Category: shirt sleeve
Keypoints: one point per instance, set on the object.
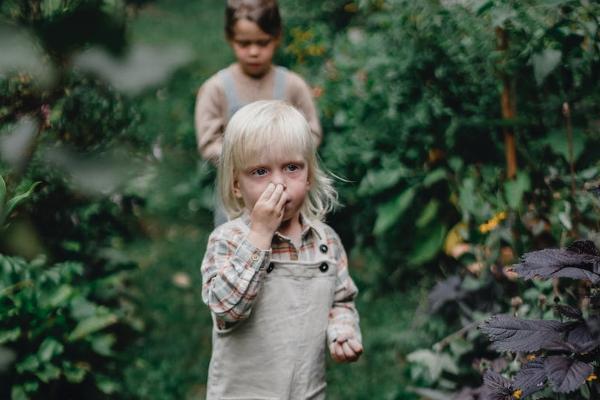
(232, 271)
(303, 100)
(209, 120)
(343, 316)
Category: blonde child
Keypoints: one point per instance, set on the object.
(253, 30)
(275, 277)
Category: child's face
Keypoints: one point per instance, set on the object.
(289, 170)
(253, 48)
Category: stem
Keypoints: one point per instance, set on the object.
(567, 114)
(508, 110)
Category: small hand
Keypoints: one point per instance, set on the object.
(345, 349)
(267, 214)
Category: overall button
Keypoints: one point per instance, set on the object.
(323, 267)
(323, 248)
(270, 268)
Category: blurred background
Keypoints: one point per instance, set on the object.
(467, 132)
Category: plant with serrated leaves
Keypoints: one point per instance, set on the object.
(562, 354)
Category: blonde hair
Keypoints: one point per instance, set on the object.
(272, 127)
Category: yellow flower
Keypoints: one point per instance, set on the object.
(491, 224)
(591, 377)
(531, 357)
(517, 394)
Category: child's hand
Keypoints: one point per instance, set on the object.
(266, 216)
(345, 349)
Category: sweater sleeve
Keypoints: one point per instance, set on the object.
(302, 99)
(232, 271)
(343, 316)
(210, 119)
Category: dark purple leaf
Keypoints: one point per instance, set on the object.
(443, 292)
(577, 273)
(584, 247)
(565, 374)
(579, 261)
(496, 387)
(467, 393)
(579, 333)
(509, 333)
(531, 377)
(569, 311)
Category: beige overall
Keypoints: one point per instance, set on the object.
(279, 351)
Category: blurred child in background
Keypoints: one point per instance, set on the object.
(253, 29)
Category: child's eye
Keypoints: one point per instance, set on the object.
(242, 43)
(263, 43)
(292, 167)
(259, 172)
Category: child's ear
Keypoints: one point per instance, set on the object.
(236, 189)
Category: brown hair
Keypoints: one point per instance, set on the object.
(264, 13)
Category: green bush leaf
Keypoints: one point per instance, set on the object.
(428, 214)
(515, 189)
(434, 176)
(10, 335)
(427, 247)
(15, 201)
(49, 348)
(544, 63)
(48, 373)
(91, 325)
(389, 213)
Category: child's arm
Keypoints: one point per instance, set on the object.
(235, 261)
(209, 120)
(343, 332)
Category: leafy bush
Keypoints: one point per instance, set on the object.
(410, 95)
(562, 354)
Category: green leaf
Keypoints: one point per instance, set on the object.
(107, 385)
(376, 181)
(544, 63)
(48, 373)
(103, 344)
(10, 335)
(18, 393)
(58, 297)
(2, 193)
(515, 189)
(434, 176)
(428, 213)
(30, 363)
(436, 363)
(428, 247)
(73, 373)
(49, 348)
(389, 213)
(91, 325)
(558, 142)
(12, 203)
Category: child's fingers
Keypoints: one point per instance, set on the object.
(349, 354)
(276, 194)
(337, 353)
(355, 346)
(282, 200)
(267, 193)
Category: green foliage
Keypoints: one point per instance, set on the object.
(410, 96)
(55, 333)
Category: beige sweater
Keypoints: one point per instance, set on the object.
(211, 114)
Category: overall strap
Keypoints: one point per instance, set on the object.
(233, 101)
(280, 83)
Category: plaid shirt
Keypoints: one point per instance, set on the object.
(233, 268)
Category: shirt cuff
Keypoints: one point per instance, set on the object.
(257, 258)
